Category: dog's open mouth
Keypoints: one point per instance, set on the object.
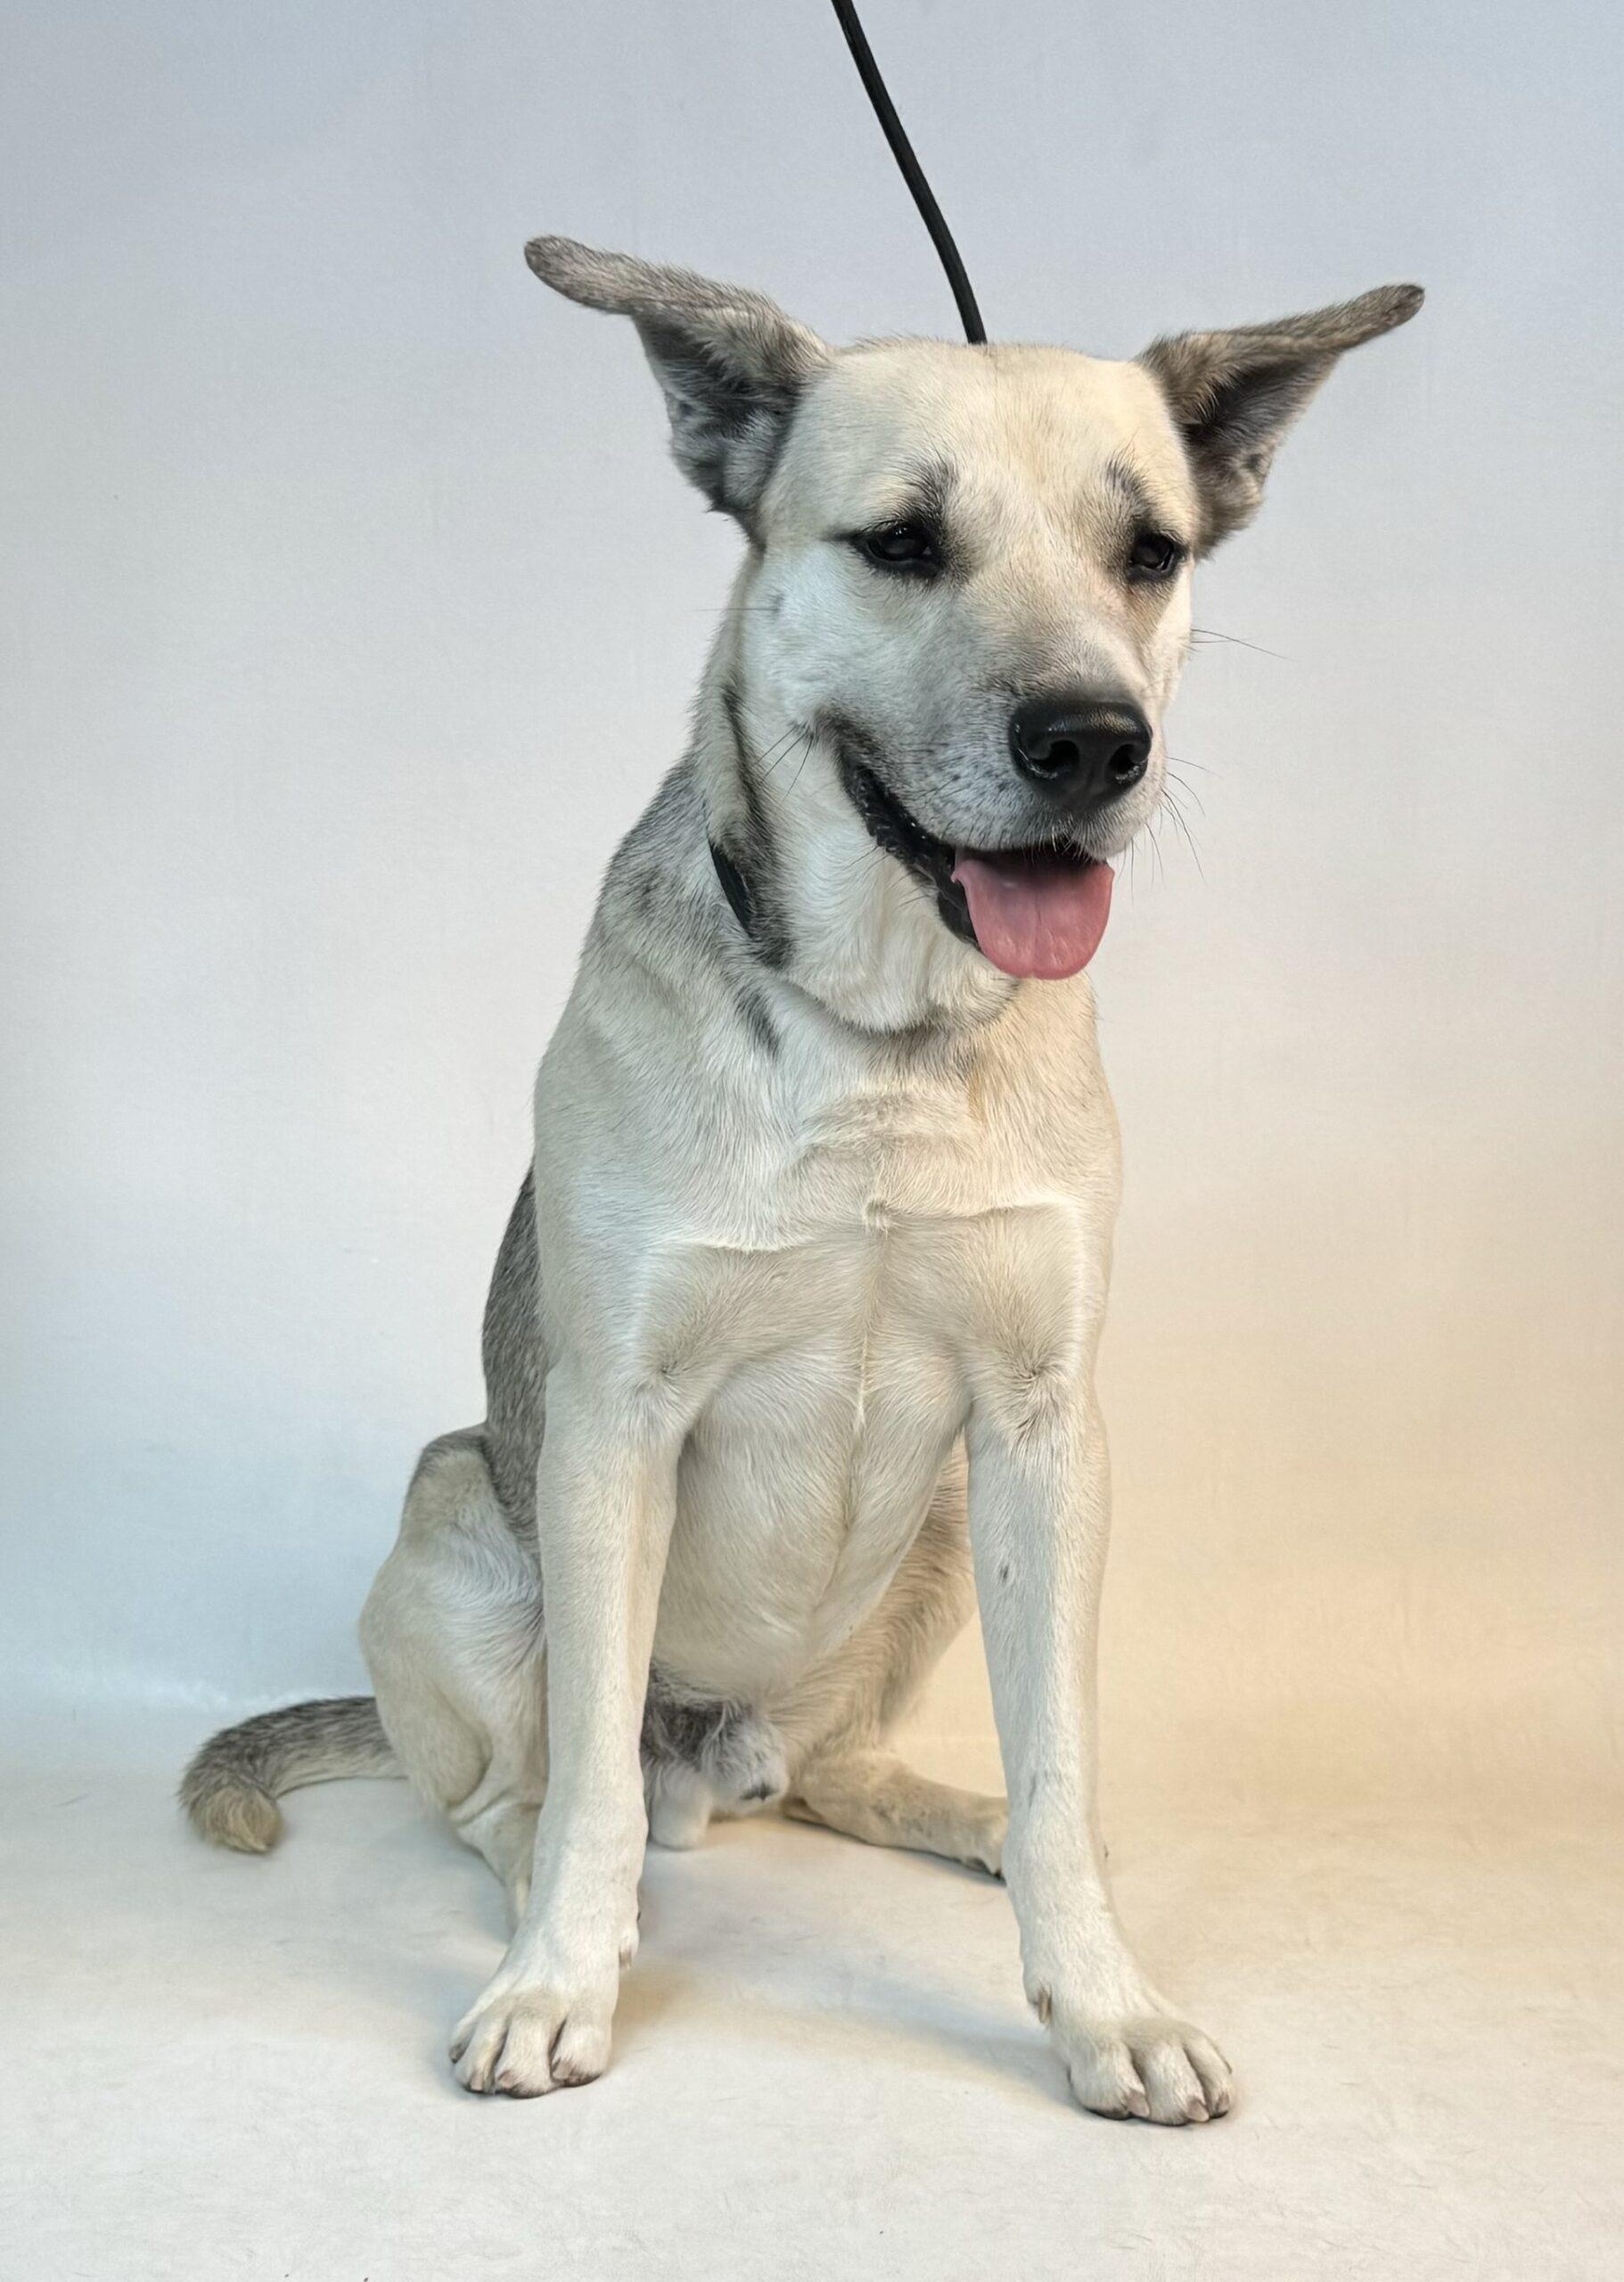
(1036, 912)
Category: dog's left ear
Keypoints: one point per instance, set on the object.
(730, 362)
(1233, 395)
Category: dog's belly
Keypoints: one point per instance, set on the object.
(809, 1475)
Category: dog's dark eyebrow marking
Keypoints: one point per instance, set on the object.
(1124, 479)
(923, 493)
(932, 487)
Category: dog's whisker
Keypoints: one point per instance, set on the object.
(776, 752)
(1181, 821)
(1239, 641)
(1174, 776)
(1183, 760)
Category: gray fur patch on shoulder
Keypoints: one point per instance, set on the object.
(515, 1364)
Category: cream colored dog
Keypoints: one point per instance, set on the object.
(794, 1328)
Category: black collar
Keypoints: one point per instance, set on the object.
(733, 887)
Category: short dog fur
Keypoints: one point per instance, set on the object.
(790, 1348)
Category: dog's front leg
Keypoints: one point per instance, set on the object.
(606, 1496)
(1039, 1516)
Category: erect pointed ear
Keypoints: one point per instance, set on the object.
(730, 362)
(1233, 395)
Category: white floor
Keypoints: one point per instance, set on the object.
(220, 2067)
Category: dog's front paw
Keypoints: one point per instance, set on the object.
(1144, 2064)
(526, 2036)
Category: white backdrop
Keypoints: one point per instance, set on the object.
(350, 610)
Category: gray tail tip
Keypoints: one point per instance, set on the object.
(230, 1809)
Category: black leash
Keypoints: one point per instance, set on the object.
(912, 173)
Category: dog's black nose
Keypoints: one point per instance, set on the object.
(1080, 750)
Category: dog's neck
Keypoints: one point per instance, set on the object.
(819, 904)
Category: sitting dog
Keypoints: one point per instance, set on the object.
(790, 1349)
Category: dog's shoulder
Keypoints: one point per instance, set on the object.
(667, 1028)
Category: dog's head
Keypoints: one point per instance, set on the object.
(971, 566)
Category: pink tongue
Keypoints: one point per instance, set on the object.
(1035, 914)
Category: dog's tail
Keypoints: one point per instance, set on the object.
(231, 1788)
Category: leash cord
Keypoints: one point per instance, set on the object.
(912, 173)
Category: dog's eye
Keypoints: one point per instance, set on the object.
(1153, 556)
(907, 546)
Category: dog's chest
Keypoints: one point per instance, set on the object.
(881, 1236)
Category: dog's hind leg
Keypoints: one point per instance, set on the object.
(453, 1635)
(876, 1797)
(504, 1831)
(841, 1773)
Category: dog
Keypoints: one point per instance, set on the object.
(790, 1349)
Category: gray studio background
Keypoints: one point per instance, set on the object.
(349, 613)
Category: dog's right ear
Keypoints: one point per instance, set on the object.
(1233, 395)
(730, 362)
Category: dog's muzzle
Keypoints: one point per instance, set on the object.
(1033, 911)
